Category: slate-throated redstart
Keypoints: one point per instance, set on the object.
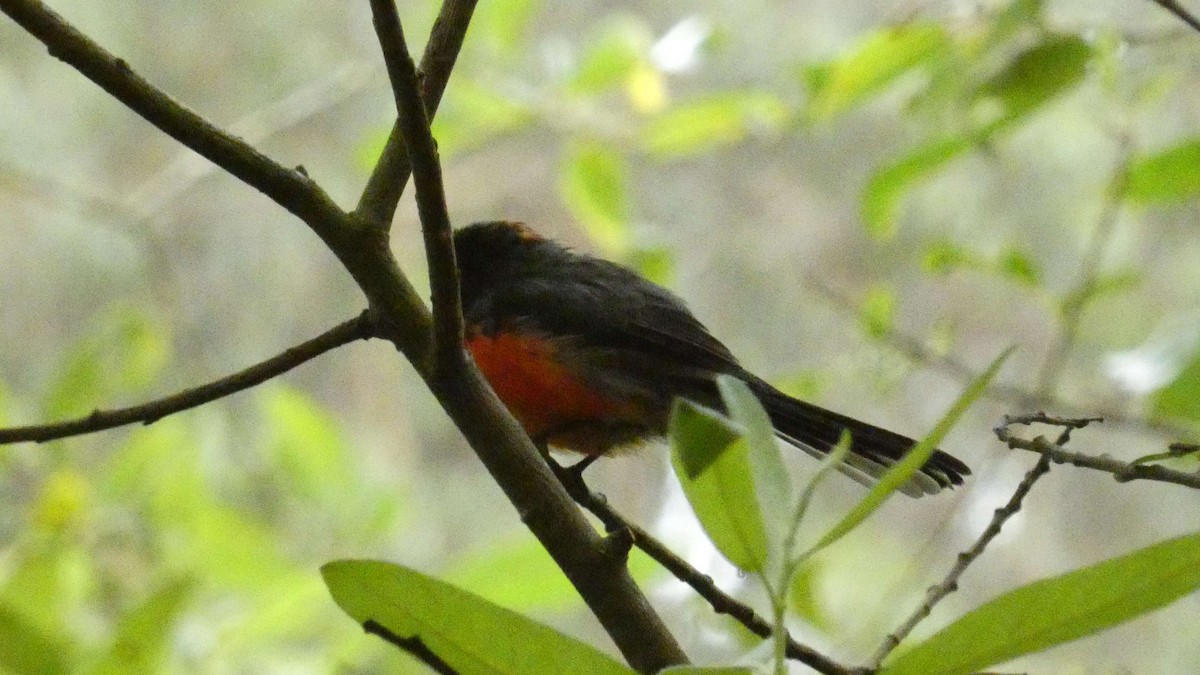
(589, 356)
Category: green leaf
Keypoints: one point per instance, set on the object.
(307, 444)
(944, 257)
(27, 649)
(656, 264)
(1017, 266)
(469, 633)
(712, 462)
(877, 60)
(878, 311)
(881, 198)
(1165, 176)
(1180, 399)
(595, 187)
(915, 459)
(1032, 79)
(803, 598)
(772, 484)
(1057, 610)
(702, 125)
(142, 636)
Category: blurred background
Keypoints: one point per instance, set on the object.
(866, 201)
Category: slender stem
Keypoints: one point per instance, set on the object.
(377, 205)
(427, 174)
(358, 328)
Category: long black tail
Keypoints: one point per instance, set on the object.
(816, 430)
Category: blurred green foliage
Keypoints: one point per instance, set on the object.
(193, 544)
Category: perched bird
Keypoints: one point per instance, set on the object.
(589, 356)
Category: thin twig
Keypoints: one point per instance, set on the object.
(1123, 472)
(949, 584)
(358, 328)
(413, 646)
(377, 205)
(427, 176)
(1182, 14)
(719, 600)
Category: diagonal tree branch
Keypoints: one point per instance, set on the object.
(358, 328)
(363, 252)
(401, 317)
(719, 600)
(414, 646)
(949, 584)
(427, 176)
(1180, 13)
(503, 446)
(378, 202)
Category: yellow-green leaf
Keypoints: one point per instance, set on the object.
(712, 461)
(1057, 610)
(877, 60)
(464, 630)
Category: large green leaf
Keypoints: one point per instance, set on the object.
(1064, 608)
(904, 469)
(1165, 176)
(467, 632)
(712, 461)
(875, 61)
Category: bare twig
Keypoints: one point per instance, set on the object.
(414, 646)
(427, 175)
(719, 600)
(358, 328)
(1122, 471)
(1182, 14)
(378, 202)
(949, 583)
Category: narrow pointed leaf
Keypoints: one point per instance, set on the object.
(469, 633)
(1057, 610)
(912, 462)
